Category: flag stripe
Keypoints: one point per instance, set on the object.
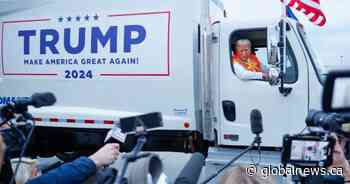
(310, 15)
(295, 5)
(318, 20)
(303, 10)
(311, 3)
(311, 9)
(291, 3)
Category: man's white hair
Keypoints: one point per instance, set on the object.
(243, 42)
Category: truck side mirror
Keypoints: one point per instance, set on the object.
(273, 55)
(272, 45)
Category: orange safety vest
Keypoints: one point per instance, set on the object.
(253, 63)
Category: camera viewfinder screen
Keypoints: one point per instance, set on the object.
(308, 150)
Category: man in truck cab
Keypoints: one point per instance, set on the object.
(247, 65)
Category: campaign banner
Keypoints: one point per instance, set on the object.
(87, 46)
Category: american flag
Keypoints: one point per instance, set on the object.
(311, 8)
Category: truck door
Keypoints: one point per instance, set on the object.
(281, 114)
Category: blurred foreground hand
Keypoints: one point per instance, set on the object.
(106, 155)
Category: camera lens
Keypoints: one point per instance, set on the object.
(328, 121)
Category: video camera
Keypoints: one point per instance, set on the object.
(315, 148)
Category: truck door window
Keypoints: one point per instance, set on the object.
(255, 66)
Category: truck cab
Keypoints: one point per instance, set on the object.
(284, 108)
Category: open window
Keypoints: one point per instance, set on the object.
(258, 38)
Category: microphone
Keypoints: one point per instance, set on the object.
(115, 133)
(147, 169)
(256, 122)
(256, 128)
(37, 100)
(192, 170)
(21, 106)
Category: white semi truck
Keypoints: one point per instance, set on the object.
(110, 59)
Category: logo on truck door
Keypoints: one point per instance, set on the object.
(87, 47)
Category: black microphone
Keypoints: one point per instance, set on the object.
(256, 122)
(192, 170)
(257, 128)
(37, 100)
(115, 135)
(20, 106)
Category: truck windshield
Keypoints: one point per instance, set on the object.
(316, 62)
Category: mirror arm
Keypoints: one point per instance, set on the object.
(285, 91)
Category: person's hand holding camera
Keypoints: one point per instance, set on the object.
(339, 159)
